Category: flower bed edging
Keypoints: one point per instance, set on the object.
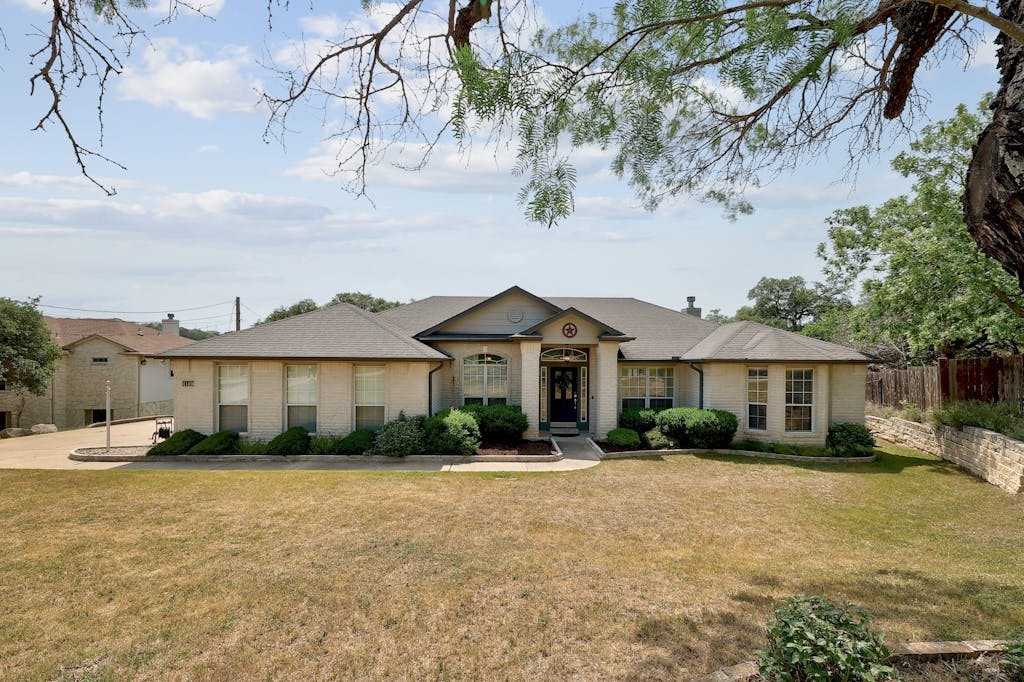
(917, 651)
(721, 451)
(380, 459)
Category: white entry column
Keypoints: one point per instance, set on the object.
(606, 404)
(530, 386)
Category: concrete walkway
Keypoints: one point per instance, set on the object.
(50, 451)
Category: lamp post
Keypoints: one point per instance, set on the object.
(108, 414)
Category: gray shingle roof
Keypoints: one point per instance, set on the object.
(340, 331)
(751, 341)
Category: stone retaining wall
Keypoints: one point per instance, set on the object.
(990, 455)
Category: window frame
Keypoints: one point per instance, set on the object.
(758, 379)
(248, 395)
(803, 392)
(485, 399)
(355, 395)
(101, 360)
(646, 375)
(316, 396)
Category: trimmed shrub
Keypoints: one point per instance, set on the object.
(452, 432)
(692, 427)
(220, 443)
(179, 443)
(499, 423)
(359, 442)
(294, 441)
(400, 437)
(849, 440)
(814, 640)
(624, 438)
(640, 419)
(656, 440)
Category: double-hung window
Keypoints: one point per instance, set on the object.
(370, 394)
(233, 398)
(799, 399)
(757, 398)
(647, 387)
(485, 380)
(301, 394)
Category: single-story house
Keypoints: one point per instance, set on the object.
(95, 351)
(573, 364)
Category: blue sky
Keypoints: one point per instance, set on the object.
(207, 211)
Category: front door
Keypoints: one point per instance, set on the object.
(564, 399)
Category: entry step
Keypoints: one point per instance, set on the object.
(564, 431)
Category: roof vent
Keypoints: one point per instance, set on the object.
(690, 309)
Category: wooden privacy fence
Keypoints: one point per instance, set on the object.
(991, 380)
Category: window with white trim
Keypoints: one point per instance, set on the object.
(485, 380)
(370, 395)
(301, 396)
(646, 387)
(233, 398)
(799, 399)
(757, 398)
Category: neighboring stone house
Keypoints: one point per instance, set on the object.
(572, 364)
(96, 350)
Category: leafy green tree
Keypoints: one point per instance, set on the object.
(706, 98)
(369, 302)
(28, 353)
(789, 303)
(716, 315)
(927, 289)
(306, 305)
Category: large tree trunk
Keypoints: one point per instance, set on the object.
(994, 201)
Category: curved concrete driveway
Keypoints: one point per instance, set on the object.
(50, 451)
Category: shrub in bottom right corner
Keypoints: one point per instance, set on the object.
(849, 440)
(814, 639)
(698, 428)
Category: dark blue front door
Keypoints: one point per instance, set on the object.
(564, 401)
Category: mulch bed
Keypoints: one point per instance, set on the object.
(523, 447)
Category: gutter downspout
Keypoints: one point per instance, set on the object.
(430, 389)
(700, 390)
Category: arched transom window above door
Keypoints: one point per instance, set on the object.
(485, 380)
(563, 355)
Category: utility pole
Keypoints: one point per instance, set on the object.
(238, 313)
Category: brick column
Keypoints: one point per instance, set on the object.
(530, 385)
(606, 374)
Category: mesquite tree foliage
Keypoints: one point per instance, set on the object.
(701, 97)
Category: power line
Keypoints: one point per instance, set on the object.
(133, 312)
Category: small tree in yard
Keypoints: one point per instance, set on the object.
(28, 353)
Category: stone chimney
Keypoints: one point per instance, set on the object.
(690, 309)
(170, 325)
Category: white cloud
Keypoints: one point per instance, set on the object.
(174, 74)
(176, 9)
(208, 149)
(985, 52)
(26, 179)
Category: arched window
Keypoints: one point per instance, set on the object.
(485, 380)
(563, 355)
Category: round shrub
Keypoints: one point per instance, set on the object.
(220, 443)
(814, 640)
(849, 440)
(640, 419)
(499, 423)
(179, 443)
(624, 438)
(656, 440)
(452, 432)
(400, 437)
(294, 441)
(692, 427)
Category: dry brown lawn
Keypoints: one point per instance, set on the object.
(642, 569)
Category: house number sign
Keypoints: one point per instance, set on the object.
(569, 330)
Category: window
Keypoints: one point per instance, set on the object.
(98, 416)
(370, 390)
(233, 398)
(799, 399)
(544, 393)
(647, 387)
(484, 380)
(3, 385)
(757, 398)
(5, 420)
(99, 361)
(301, 396)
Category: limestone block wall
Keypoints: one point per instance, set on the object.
(987, 454)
